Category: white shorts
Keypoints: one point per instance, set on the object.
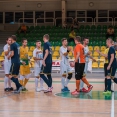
(65, 69)
(7, 66)
(86, 68)
(25, 76)
(37, 71)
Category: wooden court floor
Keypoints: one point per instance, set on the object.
(57, 104)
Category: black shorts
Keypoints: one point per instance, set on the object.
(105, 69)
(14, 70)
(47, 69)
(112, 71)
(79, 70)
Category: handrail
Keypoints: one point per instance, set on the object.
(61, 18)
(85, 18)
(103, 18)
(44, 20)
(26, 18)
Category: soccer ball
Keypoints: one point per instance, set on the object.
(72, 64)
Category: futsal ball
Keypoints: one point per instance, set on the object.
(72, 64)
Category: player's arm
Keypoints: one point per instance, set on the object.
(46, 54)
(111, 60)
(6, 51)
(102, 54)
(77, 56)
(66, 53)
(34, 56)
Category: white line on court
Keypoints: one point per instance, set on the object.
(112, 102)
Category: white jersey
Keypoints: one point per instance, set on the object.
(86, 50)
(64, 59)
(38, 63)
(6, 49)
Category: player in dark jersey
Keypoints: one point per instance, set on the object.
(111, 69)
(47, 63)
(15, 64)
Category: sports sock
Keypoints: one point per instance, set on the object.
(105, 81)
(9, 83)
(85, 81)
(63, 82)
(77, 84)
(5, 81)
(109, 84)
(25, 81)
(81, 84)
(21, 82)
(50, 79)
(45, 80)
(36, 82)
(41, 82)
(115, 80)
(66, 82)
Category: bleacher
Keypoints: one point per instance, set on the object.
(96, 34)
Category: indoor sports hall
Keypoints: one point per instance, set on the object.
(51, 40)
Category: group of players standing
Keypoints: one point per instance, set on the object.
(17, 59)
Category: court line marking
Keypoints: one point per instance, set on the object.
(112, 102)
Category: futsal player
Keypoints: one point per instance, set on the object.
(65, 68)
(38, 57)
(79, 66)
(47, 63)
(87, 57)
(7, 65)
(24, 64)
(112, 65)
(15, 63)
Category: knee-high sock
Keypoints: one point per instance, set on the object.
(77, 84)
(5, 81)
(45, 80)
(41, 82)
(105, 81)
(50, 79)
(85, 81)
(9, 83)
(63, 82)
(81, 84)
(66, 82)
(36, 82)
(109, 84)
(21, 82)
(25, 81)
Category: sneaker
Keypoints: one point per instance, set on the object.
(48, 90)
(89, 88)
(18, 91)
(83, 90)
(75, 92)
(6, 89)
(67, 89)
(24, 89)
(112, 91)
(39, 89)
(107, 92)
(11, 89)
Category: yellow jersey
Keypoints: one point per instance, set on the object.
(23, 52)
(106, 52)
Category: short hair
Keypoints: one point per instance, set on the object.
(14, 37)
(85, 38)
(46, 36)
(63, 39)
(110, 39)
(78, 38)
(38, 41)
(8, 38)
(23, 39)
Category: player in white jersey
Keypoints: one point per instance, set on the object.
(87, 56)
(38, 57)
(7, 65)
(65, 69)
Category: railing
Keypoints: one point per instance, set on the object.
(115, 21)
(44, 20)
(96, 20)
(85, 19)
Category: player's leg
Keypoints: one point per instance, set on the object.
(22, 75)
(113, 75)
(5, 83)
(21, 79)
(106, 73)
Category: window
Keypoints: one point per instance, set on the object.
(18, 15)
(1, 17)
(102, 13)
(58, 14)
(39, 15)
(91, 14)
(49, 15)
(28, 15)
(113, 14)
(81, 16)
(71, 14)
(9, 17)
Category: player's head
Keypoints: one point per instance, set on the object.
(13, 38)
(77, 39)
(109, 42)
(64, 42)
(46, 38)
(38, 43)
(8, 40)
(24, 42)
(85, 41)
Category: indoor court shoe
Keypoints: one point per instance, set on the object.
(83, 90)
(63, 90)
(89, 88)
(48, 90)
(40, 89)
(75, 92)
(107, 93)
(67, 89)
(6, 89)
(11, 89)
